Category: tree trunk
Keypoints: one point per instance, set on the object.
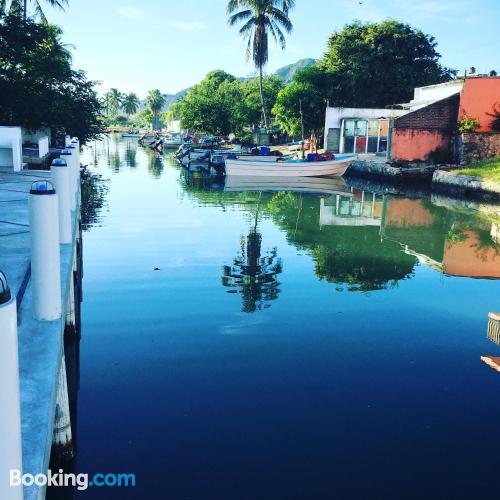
(261, 88)
(25, 11)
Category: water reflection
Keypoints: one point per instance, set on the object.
(252, 274)
(94, 190)
(365, 241)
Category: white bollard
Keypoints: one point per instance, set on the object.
(74, 188)
(45, 256)
(10, 407)
(61, 178)
(68, 156)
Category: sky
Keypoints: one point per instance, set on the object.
(137, 45)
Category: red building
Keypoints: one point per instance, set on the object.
(430, 133)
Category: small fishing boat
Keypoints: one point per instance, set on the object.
(290, 168)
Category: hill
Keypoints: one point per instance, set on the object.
(286, 73)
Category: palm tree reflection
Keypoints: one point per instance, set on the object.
(253, 274)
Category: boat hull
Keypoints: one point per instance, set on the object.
(334, 168)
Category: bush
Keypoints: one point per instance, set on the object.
(468, 124)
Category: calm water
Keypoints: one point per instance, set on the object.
(289, 345)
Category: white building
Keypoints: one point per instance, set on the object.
(358, 130)
(367, 130)
(11, 145)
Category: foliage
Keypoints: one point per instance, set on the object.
(261, 18)
(220, 104)
(155, 102)
(468, 124)
(38, 87)
(488, 169)
(130, 103)
(378, 64)
(212, 106)
(307, 92)
(16, 6)
(113, 101)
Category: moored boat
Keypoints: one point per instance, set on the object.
(290, 168)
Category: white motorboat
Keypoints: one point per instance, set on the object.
(289, 168)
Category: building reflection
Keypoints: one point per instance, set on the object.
(358, 208)
(453, 242)
(493, 335)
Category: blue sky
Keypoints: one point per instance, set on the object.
(171, 44)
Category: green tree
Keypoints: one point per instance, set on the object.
(155, 102)
(377, 64)
(303, 102)
(213, 106)
(130, 104)
(114, 100)
(260, 19)
(271, 86)
(38, 87)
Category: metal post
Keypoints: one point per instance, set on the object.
(45, 253)
(61, 175)
(10, 408)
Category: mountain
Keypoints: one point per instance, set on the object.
(286, 73)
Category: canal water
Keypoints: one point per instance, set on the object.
(304, 341)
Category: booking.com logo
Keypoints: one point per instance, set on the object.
(81, 482)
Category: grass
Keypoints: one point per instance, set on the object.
(487, 169)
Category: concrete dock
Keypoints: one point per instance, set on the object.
(41, 344)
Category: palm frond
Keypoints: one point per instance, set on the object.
(281, 18)
(247, 27)
(239, 16)
(233, 5)
(280, 35)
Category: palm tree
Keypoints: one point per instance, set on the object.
(261, 18)
(130, 103)
(38, 8)
(155, 101)
(114, 99)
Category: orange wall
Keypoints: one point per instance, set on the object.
(478, 98)
(466, 258)
(416, 144)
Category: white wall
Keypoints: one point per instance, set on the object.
(423, 96)
(11, 147)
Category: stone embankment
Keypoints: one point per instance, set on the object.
(465, 185)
